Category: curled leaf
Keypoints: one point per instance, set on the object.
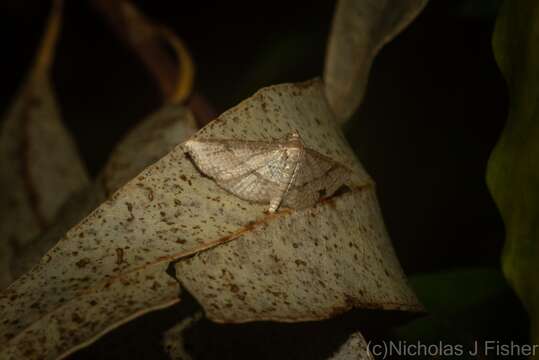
(174, 74)
(111, 267)
(300, 265)
(40, 166)
(360, 29)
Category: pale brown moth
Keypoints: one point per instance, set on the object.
(280, 172)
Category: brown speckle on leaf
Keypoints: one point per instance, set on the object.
(82, 262)
(130, 209)
(119, 256)
(76, 318)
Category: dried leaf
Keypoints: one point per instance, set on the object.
(302, 265)
(111, 267)
(305, 265)
(74, 210)
(153, 138)
(513, 172)
(360, 29)
(355, 348)
(41, 167)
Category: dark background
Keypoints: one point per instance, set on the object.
(435, 104)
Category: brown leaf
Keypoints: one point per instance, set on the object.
(174, 74)
(111, 267)
(360, 29)
(41, 167)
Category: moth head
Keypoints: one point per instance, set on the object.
(293, 142)
(293, 138)
(294, 135)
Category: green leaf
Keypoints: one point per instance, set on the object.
(446, 296)
(463, 308)
(513, 169)
(443, 292)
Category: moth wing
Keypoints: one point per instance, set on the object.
(228, 159)
(317, 176)
(251, 187)
(262, 171)
(266, 182)
(312, 166)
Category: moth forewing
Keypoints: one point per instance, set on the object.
(277, 172)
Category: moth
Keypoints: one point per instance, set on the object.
(281, 172)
